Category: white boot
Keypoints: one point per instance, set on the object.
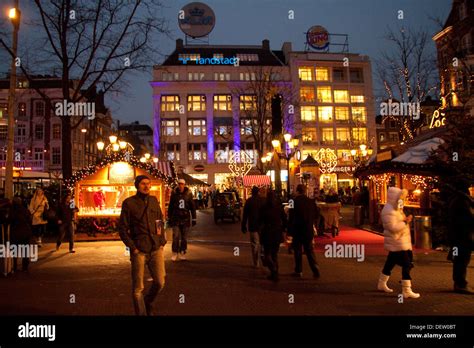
(406, 290)
(382, 285)
(174, 257)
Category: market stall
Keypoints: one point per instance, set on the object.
(99, 190)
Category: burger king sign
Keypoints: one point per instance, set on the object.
(318, 37)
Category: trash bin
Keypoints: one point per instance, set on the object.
(423, 232)
(358, 218)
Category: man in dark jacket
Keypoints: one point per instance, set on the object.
(180, 209)
(20, 230)
(250, 222)
(141, 229)
(461, 230)
(301, 220)
(66, 222)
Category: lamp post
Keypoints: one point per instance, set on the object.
(359, 155)
(286, 152)
(15, 15)
(115, 145)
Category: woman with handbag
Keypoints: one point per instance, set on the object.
(38, 206)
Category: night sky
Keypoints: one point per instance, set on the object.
(248, 22)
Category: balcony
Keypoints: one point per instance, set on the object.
(37, 165)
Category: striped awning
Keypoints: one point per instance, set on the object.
(256, 180)
(165, 168)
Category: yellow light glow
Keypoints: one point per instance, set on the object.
(276, 143)
(123, 144)
(83, 130)
(143, 159)
(147, 156)
(269, 154)
(295, 142)
(155, 159)
(353, 152)
(100, 145)
(12, 14)
(115, 147)
(264, 159)
(417, 191)
(121, 167)
(287, 137)
(290, 144)
(363, 147)
(113, 139)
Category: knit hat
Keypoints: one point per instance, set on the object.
(139, 178)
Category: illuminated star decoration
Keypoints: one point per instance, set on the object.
(327, 160)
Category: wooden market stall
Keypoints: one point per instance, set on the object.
(99, 190)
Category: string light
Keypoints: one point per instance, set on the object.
(423, 182)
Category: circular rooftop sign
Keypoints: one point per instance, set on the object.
(318, 37)
(196, 19)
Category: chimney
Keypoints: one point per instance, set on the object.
(266, 44)
(179, 44)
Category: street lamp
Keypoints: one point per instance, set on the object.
(100, 145)
(15, 16)
(290, 149)
(360, 155)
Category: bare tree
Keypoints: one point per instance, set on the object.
(91, 44)
(408, 73)
(264, 84)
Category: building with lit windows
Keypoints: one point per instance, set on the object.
(198, 118)
(336, 108)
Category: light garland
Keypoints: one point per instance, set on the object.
(424, 182)
(121, 157)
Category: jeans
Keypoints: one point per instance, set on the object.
(180, 244)
(402, 258)
(271, 258)
(156, 265)
(460, 263)
(38, 230)
(256, 248)
(66, 229)
(308, 249)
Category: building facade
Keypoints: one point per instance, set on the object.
(200, 118)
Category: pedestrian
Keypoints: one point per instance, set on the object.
(461, 233)
(180, 211)
(4, 211)
(200, 199)
(66, 222)
(365, 200)
(38, 205)
(21, 233)
(206, 198)
(273, 224)
(250, 223)
(300, 227)
(397, 240)
(332, 196)
(141, 229)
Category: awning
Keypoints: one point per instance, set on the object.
(256, 180)
(165, 168)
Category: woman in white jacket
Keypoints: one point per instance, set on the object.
(38, 205)
(397, 241)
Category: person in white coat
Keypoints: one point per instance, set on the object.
(38, 205)
(397, 240)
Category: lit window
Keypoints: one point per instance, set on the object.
(189, 56)
(307, 94)
(197, 76)
(196, 103)
(344, 155)
(172, 152)
(305, 74)
(342, 114)
(309, 135)
(359, 135)
(218, 55)
(308, 113)
(248, 102)
(3, 110)
(197, 152)
(247, 57)
(222, 102)
(341, 96)
(223, 130)
(359, 114)
(197, 127)
(357, 98)
(324, 94)
(169, 103)
(343, 134)
(325, 113)
(322, 74)
(170, 127)
(327, 135)
(246, 126)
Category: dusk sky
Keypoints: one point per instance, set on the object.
(248, 22)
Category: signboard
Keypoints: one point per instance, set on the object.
(438, 119)
(199, 168)
(384, 156)
(344, 169)
(121, 173)
(317, 37)
(196, 19)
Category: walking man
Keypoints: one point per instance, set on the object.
(461, 233)
(250, 223)
(141, 229)
(180, 211)
(66, 223)
(301, 220)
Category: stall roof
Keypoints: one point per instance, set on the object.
(420, 153)
(256, 180)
